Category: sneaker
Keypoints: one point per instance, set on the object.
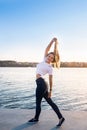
(61, 121)
(33, 120)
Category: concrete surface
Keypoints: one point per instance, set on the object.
(16, 119)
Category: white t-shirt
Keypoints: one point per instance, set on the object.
(44, 68)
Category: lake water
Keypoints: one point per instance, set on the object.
(17, 88)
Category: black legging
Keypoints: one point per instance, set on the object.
(42, 91)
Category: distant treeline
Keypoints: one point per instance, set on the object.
(6, 63)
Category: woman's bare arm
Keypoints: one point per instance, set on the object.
(49, 46)
(50, 85)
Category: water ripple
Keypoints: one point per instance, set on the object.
(17, 89)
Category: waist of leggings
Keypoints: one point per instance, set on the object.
(40, 79)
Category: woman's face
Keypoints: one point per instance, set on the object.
(49, 58)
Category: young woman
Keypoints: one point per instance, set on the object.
(44, 68)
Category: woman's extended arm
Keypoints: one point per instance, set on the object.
(49, 46)
(50, 85)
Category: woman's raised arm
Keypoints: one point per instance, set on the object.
(49, 46)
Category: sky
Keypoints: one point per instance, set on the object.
(27, 27)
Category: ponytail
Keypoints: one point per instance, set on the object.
(56, 62)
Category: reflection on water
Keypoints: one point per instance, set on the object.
(17, 88)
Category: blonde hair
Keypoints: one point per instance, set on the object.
(56, 62)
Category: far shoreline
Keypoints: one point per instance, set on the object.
(12, 63)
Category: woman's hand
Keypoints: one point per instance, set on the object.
(54, 39)
(49, 94)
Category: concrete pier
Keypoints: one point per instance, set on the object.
(17, 119)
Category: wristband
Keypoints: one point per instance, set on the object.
(50, 89)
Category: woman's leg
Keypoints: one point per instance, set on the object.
(38, 102)
(53, 105)
(38, 106)
(39, 95)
